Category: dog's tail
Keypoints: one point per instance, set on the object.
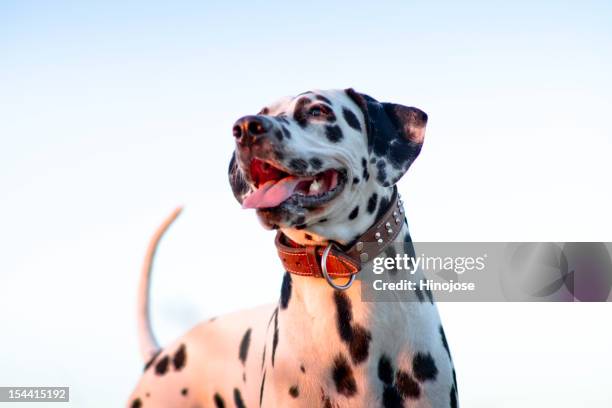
(148, 344)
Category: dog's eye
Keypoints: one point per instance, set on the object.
(316, 111)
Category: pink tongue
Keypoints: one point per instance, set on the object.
(272, 193)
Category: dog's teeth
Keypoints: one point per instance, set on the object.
(315, 187)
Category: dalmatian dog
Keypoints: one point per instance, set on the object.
(320, 167)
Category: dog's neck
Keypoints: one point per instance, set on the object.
(311, 302)
(342, 327)
(312, 294)
(348, 220)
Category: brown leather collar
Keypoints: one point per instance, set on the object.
(306, 260)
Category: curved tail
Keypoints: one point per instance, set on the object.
(148, 344)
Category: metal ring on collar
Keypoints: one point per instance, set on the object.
(326, 275)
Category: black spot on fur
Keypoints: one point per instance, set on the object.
(162, 366)
(453, 397)
(238, 399)
(392, 397)
(351, 119)
(354, 213)
(322, 220)
(390, 252)
(406, 385)
(137, 403)
(424, 367)
(151, 360)
(184, 391)
(385, 370)
(244, 346)
(299, 112)
(333, 133)
(382, 208)
(294, 391)
(274, 312)
(408, 245)
(261, 388)
(264, 111)
(275, 338)
(299, 165)
(302, 369)
(263, 357)
(180, 358)
(286, 290)
(429, 295)
(381, 175)
(355, 180)
(280, 156)
(286, 132)
(344, 311)
(323, 99)
(372, 203)
(300, 226)
(366, 174)
(308, 237)
(388, 133)
(326, 401)
(419, 293)
(315, 163)
(300, 220)
(279, 135)
(360, 344)
(342, 374)
(357, 337)
(444, 341)
(219, 403)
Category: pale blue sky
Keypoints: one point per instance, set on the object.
(111, 113)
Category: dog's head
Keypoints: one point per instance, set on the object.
(318, 160)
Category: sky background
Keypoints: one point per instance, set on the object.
(112, 113)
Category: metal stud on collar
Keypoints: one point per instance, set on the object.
(326, 275)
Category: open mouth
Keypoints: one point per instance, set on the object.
(274, 186)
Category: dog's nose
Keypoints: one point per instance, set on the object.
(248, 129)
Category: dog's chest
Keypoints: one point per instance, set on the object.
(325, 346)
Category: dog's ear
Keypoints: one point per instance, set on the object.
(395, 135)
(239, 186)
